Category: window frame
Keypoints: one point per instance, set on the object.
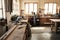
(52, 7)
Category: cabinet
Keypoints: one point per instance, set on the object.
(44, 20)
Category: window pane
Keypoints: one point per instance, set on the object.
(54, 8)
(50, 7)
(3, 9)
(30, 8)
(35, 8)
(0, 3)
(26, 8)
(46, 8)
(16, 7)
(0, 13)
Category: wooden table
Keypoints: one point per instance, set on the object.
(18, 33)
(55, 23)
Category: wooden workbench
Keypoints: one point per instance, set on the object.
(56, 21)
(18, 33)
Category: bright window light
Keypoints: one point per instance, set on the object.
(16, 7)
(35, 8)
(50, 8)
(26, 8)
(30, 7)
(54, 8)
(0, 4)
(2, 9)
(46, 8)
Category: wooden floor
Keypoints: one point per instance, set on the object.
(38, 33)
(44, 33)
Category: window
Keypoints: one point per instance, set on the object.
(2, 9)
(50, 8)
(16, 8)
(30, 7)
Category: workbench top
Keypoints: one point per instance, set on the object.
(18, 33)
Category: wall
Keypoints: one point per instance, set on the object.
(22, 5)
(40, 2)
(23, 1)
(58, 2)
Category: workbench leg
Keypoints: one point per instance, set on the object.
(55, 26)
(51, 26)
